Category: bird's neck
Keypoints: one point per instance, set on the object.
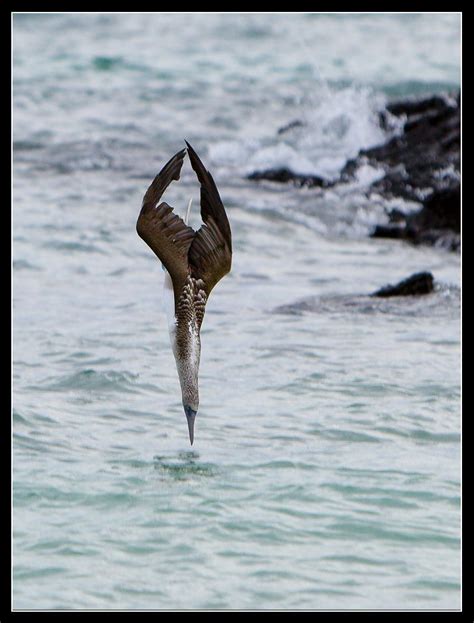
(186, 345)
(184, 321)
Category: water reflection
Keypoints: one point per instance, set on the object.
(183, 466)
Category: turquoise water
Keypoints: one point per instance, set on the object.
(325, 472)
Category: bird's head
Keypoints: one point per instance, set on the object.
(188, 370)
(191, 412)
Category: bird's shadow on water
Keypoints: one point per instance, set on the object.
(184, 466)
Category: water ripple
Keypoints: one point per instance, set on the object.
(92, 380)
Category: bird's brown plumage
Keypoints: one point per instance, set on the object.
(205, 255)
(210, 254)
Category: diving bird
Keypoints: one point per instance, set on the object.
(193, 261)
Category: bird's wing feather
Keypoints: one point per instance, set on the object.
(210, 254)
(171, 171)
(165, 232)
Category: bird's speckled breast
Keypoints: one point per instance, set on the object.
(186, 340)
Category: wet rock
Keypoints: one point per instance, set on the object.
(437, 223)
(421, 164)
(403, 300)
(392, 230)
(440, 211)
(284, 175)
(419, 283)
(424, 158)
(290, 126)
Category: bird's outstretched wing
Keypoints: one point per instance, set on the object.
(210, 253)
(163, 230)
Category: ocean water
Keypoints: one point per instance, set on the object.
(325, 472)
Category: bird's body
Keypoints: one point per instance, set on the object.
(194, 261)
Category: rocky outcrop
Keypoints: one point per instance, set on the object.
(421, 163)
(437, 223)
(284, 174)
(421, 159)
(419, 283)
(406, 298)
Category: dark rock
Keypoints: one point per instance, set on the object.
(290, 126)
(442, 238)
(419, 283)
(440, 211)
(416, 106)
(421, 163)
(390, 231)
(437, 223)
(424, 158)
(396, 216)
(284, 175)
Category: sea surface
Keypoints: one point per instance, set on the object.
(325, 472)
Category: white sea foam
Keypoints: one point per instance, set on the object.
(334, 125)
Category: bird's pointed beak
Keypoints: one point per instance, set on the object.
(190, 416)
